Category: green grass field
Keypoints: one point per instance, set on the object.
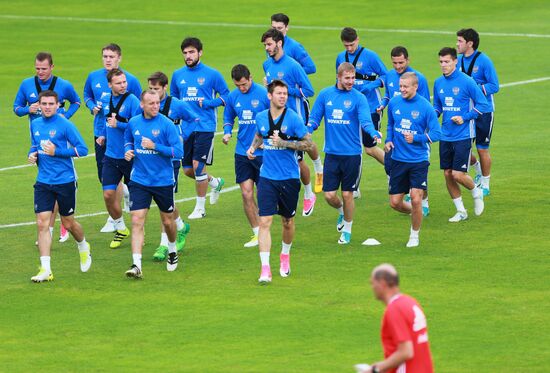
(484, 284)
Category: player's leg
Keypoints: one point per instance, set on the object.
(416, 217)
(113, 172)
(350, 174)
(484, 131)
(267, 207)
(247, 173)
(140, 201)
(317, 167)
(44, 200)
(52, 225)
(109, 226)
(164, 198)
(305, 176)
(66, 199)
(371, 146)
(288, 236)
(446, 160)
(399, 185)
(289, 194)
(462, 152)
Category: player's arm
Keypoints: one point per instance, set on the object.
(305, 60)
(185, 111)
(220, 87)
(256, 143)
(433, 130)
(174, 149)
(79, 148)
(20, 107)
(74, 101)
(32, 154)
(386, 98)
(437, 102)
(379, 69)
(492, 86)
(423, 89)
(389, 134)
(128, 143)
(481, 105)
(365, 118)
(305, 89)
(317, 113)
(305, 144)
(174, 89)
(228, 122)
(404, 352)
(134, 87)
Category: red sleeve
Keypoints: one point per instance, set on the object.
(398, 327)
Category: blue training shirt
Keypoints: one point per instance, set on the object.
(297, 51)
(182, 112)
(28, 94)
(391, 85)
(190, 84)
(290, 71)
(280, 163)
(97, 87)
(57, 169)
(153, 167)
(483, 73)
(346, 114)
(416, 116)
(245, 106)
(369, 64)
(458, 95)
(115, 136)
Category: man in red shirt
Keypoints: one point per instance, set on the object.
(404, 330)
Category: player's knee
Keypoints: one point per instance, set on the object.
(448, 174)
(288, 223)
(265, 223)
(137, 221)
(68, 222)
(247, 194)
(109, 194)
(457, 175)
(395, 203)
(189, 172)
(329, 196)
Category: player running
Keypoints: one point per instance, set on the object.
(480, 67)
(281, 132)
(54, 141)
(199, 84)
(152, 141)
(243, 103)
(347, 115)
(412, 127)
(458, 98)
(96, 88)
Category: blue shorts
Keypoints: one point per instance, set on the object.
(300, 155)
(368, 141)
(46, 195)
(141, 197)
(278, 197)
(388, 161)
(484, 130)
(455, 155)
(177, 165)
(99, 154)
(246, 169)
(199, 146)
(115, 170)
(404, 176)
(341, 169)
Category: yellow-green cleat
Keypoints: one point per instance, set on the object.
(42, 276)
(117, 239)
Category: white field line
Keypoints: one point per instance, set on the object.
(225, 190)
(249, 25)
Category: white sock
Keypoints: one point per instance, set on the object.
(179, 223)
(82, 246)
(256, 230)
(163, 239)
(110, 220)
(414, 234)
(318, 165)
(425, 202)
(308, 193)
(347, 226)
(477, 192)
(341, 209)
(264, 258)
(137, 260)
(286, 248)
(119, 224)
(485, 181)
(213, 182)
(171, 247)
(51, 231)
(459, 204)
(200, 203)
(477, 167)
(125, 190)
(45, 263)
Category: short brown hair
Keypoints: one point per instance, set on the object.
(48, 93)
(43, 56)
(274, 84)
(114, 72)
(158, 77)
(346, 67)
(113, 48)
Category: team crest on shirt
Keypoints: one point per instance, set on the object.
(155, 132)
(476, 68)
(201, 81)
(456, 90)
(415, 114)
(347, 104)
(283, 129)
(280, 75)
(359, 65)
(122, 108)
(255, 103)
(52, 133)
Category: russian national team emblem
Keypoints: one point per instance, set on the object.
(122, 108)
(456, 90)
(283, 129)
(280, 75)
(359, 64)
(255, 103)
(155, 132)
(415, 114)
(476, 68)
(201, 81)
(347, 104)
(52, 133)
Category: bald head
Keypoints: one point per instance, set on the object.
(387, 273)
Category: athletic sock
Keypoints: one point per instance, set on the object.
(137, 260)
(341, 209)
(414, 234)
(286, 248)
(308, 193)
(200, 203)
(171, 247)
(256, 230)
(477, 192)
(163, 239)
(119, 224)
(347, 226)
(264, 258)
(318, 165)
(125, 190)
(45, 263)
(83, 245)
(485, 181)
(213, 182)
(425, 202)
(51, 231)
(477, 167)
(179, 223)
(459, 204)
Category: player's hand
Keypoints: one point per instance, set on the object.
(275, 139)
(226, 138)
(389, 146)
(33, 157)
(49, 148)
(96, 110)
(129, 155)
(457, 119)
(147, 143)
(380, 109)
(250, 153)
(33, 108)
(265, 81)
(409, 137)
(378, 138)
(111, 122)
(100, 140)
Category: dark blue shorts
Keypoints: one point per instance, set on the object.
(115, 170)
(404, 176)
(45, 196)
(342, 170)
(246, 169)
(99, 154)
(199, 146)
(141, 197)
(368, 141)
(484, 130)
(278, 197)
(300, 155)
(455, 155)
(177, 166)
(388, 161)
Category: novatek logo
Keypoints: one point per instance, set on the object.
(337, 114)
(347, 104)
(155, 132)
(405, 124)
(192, 91)
(201, 80)
(449, 101)
(247, 114)
(255, 103)
(456, 90)
(415, 114)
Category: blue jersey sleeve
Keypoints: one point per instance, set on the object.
(220, 87)
(317, 112)
(89, 99)
(174, 89)
(73, 99)
(128, 138)
(134, 87)
(20, 107)
(365, 118)
(305, 89)
(379, 69)
(34, 144)
(229, 115)
(74, 138)
(386, 98)
(174, 149)
(433, 129)
(492, 86)
(423, 89)
(185, 111)
(304, 59)
(480, 102)
(437, 102)
(391, 123)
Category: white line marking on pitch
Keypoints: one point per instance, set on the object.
(249, 25)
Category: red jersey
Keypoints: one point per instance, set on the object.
(404, 321)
